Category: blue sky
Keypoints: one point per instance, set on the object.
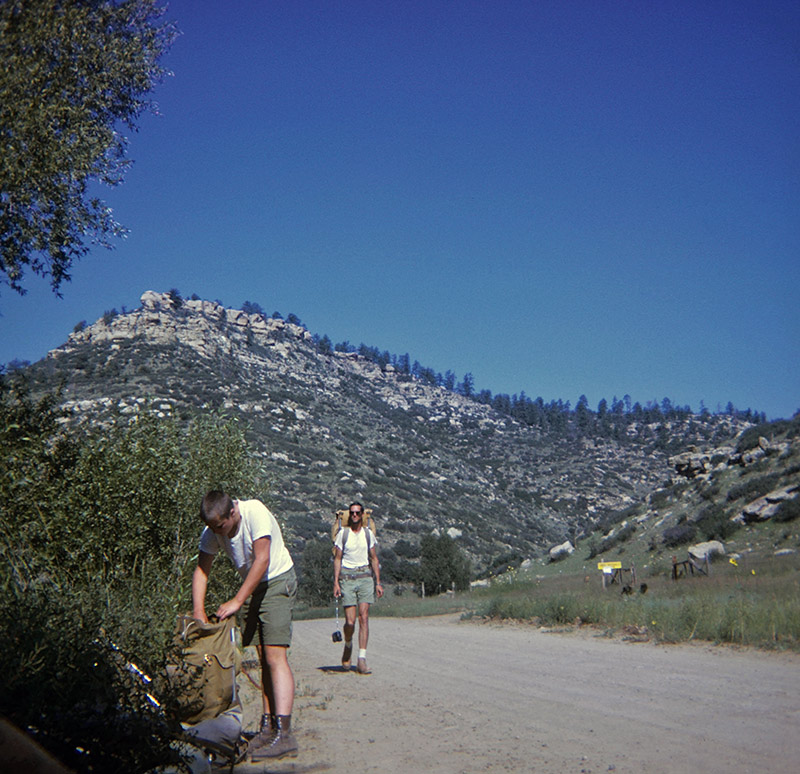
(564, 198)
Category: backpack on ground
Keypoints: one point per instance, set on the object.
(203, 669)
(341, 520)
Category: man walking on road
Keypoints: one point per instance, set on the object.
(357, 579)
(251, 536)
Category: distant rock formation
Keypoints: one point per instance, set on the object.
(764, 508)
(205, 326)
(336, 426)
(693, 463)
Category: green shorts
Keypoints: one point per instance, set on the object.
(357, 590)
(269, 611)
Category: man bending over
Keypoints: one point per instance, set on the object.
(251, 537)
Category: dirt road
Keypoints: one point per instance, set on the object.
(451, 697)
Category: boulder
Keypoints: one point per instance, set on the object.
(559, 552)
(707, 550)
(691, 463)
(754, 455)
(764, 508)
(152, 300)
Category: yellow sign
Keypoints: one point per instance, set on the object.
(609, 565)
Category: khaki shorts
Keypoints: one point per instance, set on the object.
(269, 611)
(357, 590)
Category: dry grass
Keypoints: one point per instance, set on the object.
(756, 603)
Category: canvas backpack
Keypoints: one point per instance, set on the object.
(341, 521)
(202, 673)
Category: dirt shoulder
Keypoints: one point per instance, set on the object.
(452, 697)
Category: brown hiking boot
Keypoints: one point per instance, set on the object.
(347, 654)
(262, 739)
(282, 743)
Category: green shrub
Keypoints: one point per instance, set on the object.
(714, 523)
(611, 541)
(316, 573)
(788, 510)
(97, 544)
(406, 549)
(679, 535)
(505, 562)
(754, 488)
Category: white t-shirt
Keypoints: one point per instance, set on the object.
(257, 521)
(355, 552)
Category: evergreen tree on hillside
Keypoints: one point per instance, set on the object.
(442, 564)
(251, 307)
(467, 386)
(583, 416)
(324, 345)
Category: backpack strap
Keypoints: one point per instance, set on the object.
(370, 539)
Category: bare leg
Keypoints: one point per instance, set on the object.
(363, 624)
(281, 680)
(363, 637)
(277, 741)
(349, 629)
(267, 690)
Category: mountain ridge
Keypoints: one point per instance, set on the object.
(335, 426)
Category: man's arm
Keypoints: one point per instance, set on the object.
(376, 570)
(256, 572)
(337, 568)
(200, 584)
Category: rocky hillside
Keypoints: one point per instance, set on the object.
(740, 501)
(336, 427)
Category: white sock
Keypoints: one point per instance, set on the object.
(362, 652)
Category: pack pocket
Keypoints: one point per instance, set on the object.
(204, 668)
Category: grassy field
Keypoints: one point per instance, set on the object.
(754, 603)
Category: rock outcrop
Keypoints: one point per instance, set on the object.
(707, 551)
(764, 508)
(559, 552)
